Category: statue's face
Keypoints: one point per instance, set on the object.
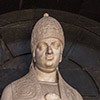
(48, 54)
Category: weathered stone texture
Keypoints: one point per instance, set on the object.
(17, 37)
(81, 58)
(71, 33)
(92, 98)
(81, 81)
(4, 53)
(86, 52)
(14, 69)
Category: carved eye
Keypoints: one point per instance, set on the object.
(56, 45)
(41, 46)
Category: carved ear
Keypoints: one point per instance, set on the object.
(61, 52)
(60, 58)
(34, 57)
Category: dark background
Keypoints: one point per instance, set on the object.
(88, 8)
(81, 58)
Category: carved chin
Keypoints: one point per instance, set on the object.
(49, 64)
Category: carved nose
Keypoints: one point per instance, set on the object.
(49, 50)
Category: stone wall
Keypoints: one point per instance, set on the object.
(81, 58)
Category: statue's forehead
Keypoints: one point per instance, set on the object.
(49, 40)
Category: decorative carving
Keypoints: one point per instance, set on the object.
(47, 44)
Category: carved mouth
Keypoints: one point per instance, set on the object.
(49, 57)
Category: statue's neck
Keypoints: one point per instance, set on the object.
(46, 77)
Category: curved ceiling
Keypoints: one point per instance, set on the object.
(87, 8)
(81, 58)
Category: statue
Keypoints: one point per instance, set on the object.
(43, 81)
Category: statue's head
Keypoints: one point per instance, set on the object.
(47, 43)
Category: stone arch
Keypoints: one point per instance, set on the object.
(81, 57)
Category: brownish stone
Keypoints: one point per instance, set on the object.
(4, 53)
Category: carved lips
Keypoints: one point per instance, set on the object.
(49, 57)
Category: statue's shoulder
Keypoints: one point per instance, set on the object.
(22, 81)
(24, 87)
(72, 92)
(7, 93)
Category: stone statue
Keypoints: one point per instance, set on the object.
(44, 81)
